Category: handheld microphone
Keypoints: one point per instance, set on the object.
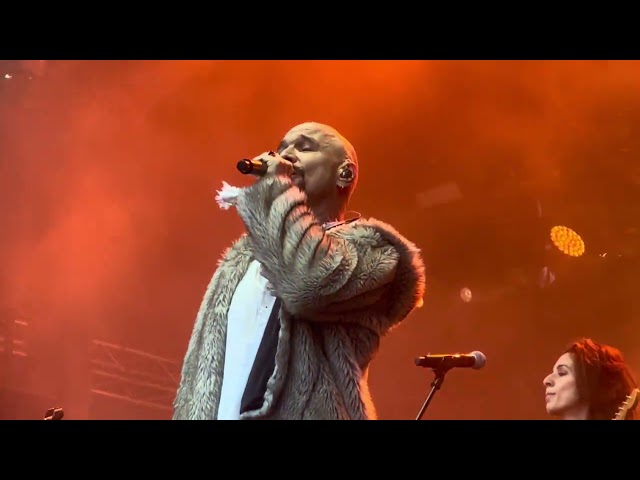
(258, 167)
(475, 360)
(252, 167)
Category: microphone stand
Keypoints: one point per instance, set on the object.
(436, 384)
(54, 414)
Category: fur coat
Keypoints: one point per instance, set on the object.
(342, 290)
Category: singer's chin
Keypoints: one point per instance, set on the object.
(298, 181)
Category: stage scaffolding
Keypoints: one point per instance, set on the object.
(12, 343)
(132, 375)
(114, 371)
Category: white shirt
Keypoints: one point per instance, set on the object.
(248, 315)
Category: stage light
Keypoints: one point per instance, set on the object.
(466, 295)
(567, 241)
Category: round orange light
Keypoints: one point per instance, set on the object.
(567, 241)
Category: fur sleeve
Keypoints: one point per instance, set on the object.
(314, 271)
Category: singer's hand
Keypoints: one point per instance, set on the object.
(276, 164)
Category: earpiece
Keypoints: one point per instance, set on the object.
(346, 175)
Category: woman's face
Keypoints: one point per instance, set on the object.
(561, 392)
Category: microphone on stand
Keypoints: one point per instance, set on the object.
(475, 360)
(441, 364)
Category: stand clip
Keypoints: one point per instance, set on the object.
(436, 384)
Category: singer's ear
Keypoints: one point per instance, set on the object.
(346, 174)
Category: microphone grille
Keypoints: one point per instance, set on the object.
(245, 166)
(480, 359)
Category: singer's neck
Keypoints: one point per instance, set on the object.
(327, 207)
(325, 213)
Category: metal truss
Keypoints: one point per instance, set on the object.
(12, 337)
(116, 371)
(13, 349)
(133, 376)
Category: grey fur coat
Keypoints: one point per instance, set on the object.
(342, 290)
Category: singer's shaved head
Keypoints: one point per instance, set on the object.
(320, 152)
(330, 136)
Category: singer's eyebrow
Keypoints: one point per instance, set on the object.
(312, 142)
(301, 138)
(282, 146)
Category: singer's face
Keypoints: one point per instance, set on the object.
(561, 391)
(317, 154)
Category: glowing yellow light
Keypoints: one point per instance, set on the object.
(567, 241)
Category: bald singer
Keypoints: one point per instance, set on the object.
(296, 310)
